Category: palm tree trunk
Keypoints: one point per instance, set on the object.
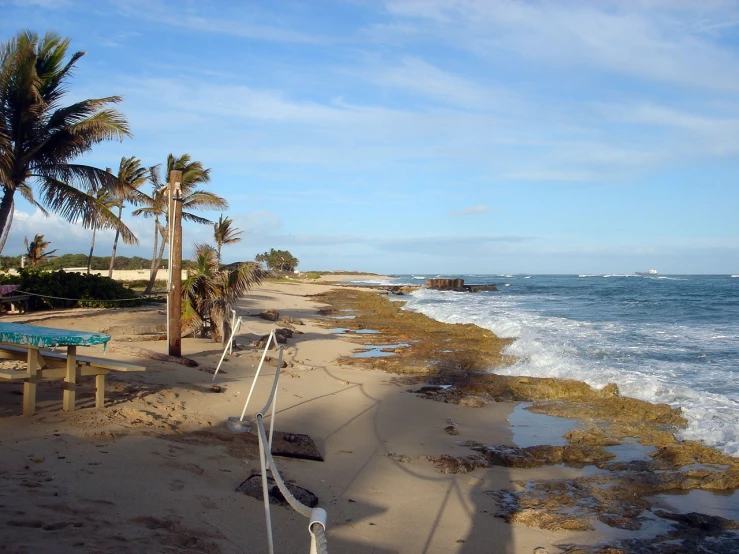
(92, 247)
(153, 268)
(157, 260)
(115, 243)
(6, 232)
(216, 325)
(6, 213)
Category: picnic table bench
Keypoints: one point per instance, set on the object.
(10, 296)
(31, 343)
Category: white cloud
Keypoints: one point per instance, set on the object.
(650, 41)
(245, 22)
(472, 210)
(71, 238)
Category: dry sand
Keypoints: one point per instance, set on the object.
(156, 470)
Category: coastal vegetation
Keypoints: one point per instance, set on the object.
(210, 289)
(41, 138)
(131, 176)
(194, 175)
(224, 233)
(36, 251)
(61, 289)
(278, 260)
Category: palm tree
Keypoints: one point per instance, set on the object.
(156, 207)
(40, 138)
(130, 177)
(209, 291)
(224, 233)
(36, 251)
(106, 201)
(193, 175)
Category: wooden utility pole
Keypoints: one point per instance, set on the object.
(175, 264)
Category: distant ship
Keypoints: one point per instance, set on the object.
(650, 272)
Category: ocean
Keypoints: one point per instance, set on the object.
(667, 339)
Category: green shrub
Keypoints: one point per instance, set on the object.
(58, 289)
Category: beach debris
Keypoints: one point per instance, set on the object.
(269, 315)
(217, 388)
(270, 359)
(236, 425)
(295, 445)
(540, 550)
(281, 336)
(252, 486)
(400, 458)
(288, 320)
(451, 430)
(473, 401)
(528, 457)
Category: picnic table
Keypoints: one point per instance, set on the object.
(10, 296)
(32, 343)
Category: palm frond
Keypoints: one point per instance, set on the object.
(203, 200)
(74, 205)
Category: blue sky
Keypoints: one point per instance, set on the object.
(429, 136)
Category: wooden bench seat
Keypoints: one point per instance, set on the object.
(15, 352)
(16, 300)
(53, 365)
(13, 375)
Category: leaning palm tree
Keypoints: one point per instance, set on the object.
(131, 175)
(155, 206)
(106, 201)
(193, 198)
(36, 251)
(224, 233)
(40, 138)
(209, 291)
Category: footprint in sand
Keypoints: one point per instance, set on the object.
(177, 485)
(206, 502)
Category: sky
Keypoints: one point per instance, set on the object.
(426, 136)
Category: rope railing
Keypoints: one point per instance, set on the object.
(79, 299)
(317, 516)
(235, 326)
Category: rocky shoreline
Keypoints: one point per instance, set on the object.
(451, 363)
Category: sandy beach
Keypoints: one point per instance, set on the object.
(157, 470)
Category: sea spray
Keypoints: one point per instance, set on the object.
(667, 339)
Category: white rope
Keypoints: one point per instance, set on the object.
(234, 330)
(317, 516)
(233, 326)
(254, 382)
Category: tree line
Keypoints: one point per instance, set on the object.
(41, 140)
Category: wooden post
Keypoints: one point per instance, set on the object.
(29, 385)
(70, 380)
(175, 264)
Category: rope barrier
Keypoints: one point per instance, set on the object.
(317, 516)
(79, 299)
(229, 344)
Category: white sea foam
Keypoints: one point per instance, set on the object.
(649, 361)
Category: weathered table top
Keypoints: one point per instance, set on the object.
(39, 337)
